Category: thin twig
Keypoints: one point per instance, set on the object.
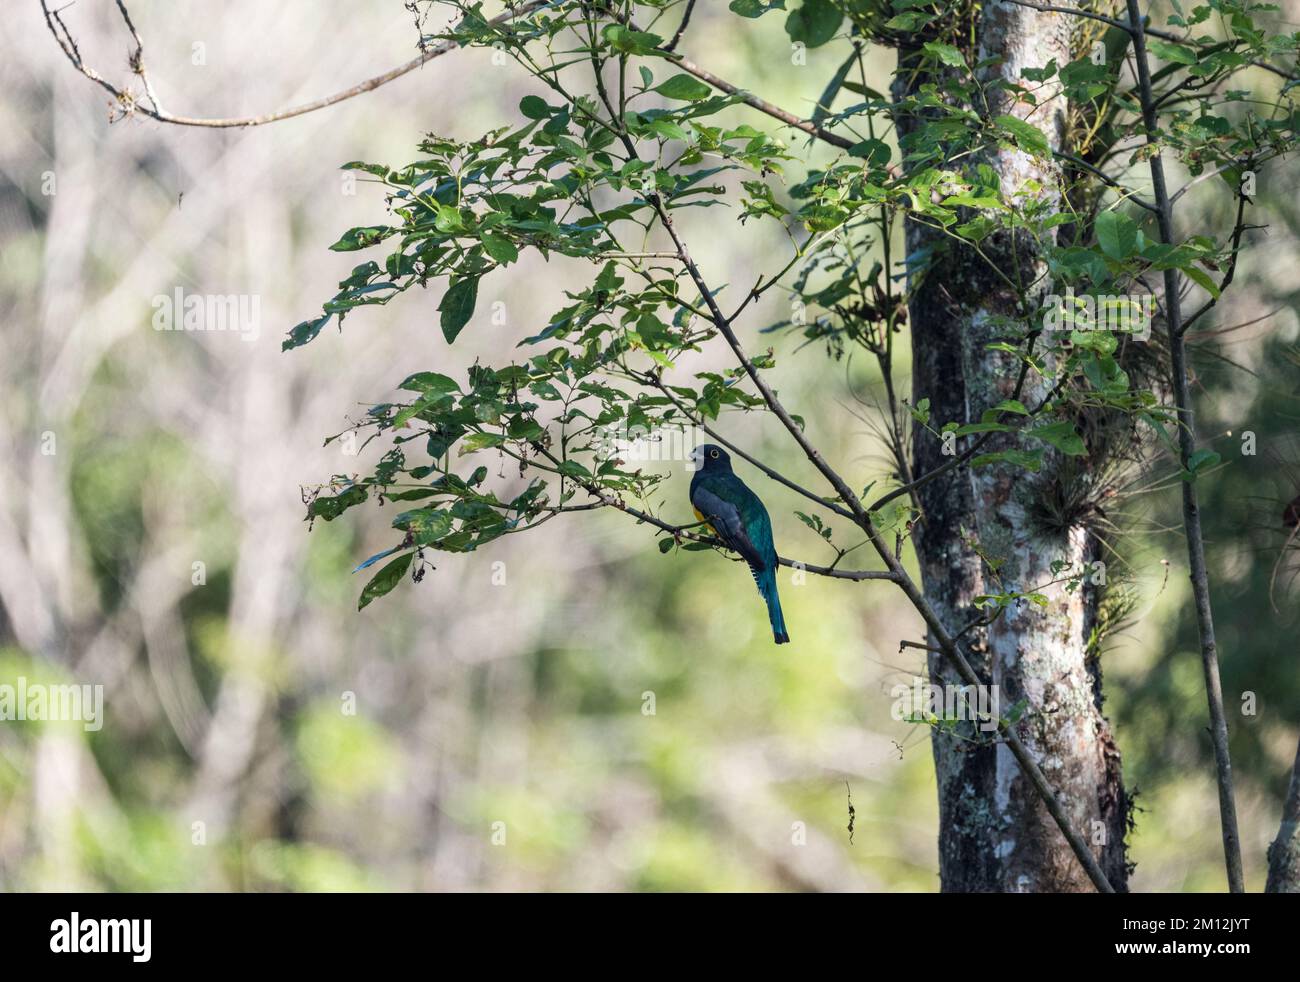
(1238, 228)
(762, 105)
(1048, 8)
(607, 499)
(681, 28)
(697, 420)
(918, 644)
(1105, 178)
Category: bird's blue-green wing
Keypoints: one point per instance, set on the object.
(717, 504)
(742, 523)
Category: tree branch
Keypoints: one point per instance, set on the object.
(1187, 446)
(748, 98)
(1238, 228)
(681, 28)
(1103, 176)
(682, 532)
(762, 105)
(775, 475)
(1048, 8)
(128, 104)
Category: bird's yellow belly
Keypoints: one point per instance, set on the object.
(707, 523)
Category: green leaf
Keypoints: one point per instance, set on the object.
(406, 413)
(304, 332)
(534, 107)
(908, 20)
(385, 579)
(754, 8)
(1172, 52)
(946, 53)
(1104, 373)
(814, 23)
(379, 170)
(1199, 461)
(631, 42)
(669, 130)
(430, 383)
(330, 508)
(666, 544)
(449, 220)
(1062, 436)
(684, 88)
(1117, 235)
(827, 98)
(1025, 135)
(990, 427)
(874, 152)
(1202, 278)
(500, 248)
(479, 441)
(426, 525)
(457, 307)
(361, 238)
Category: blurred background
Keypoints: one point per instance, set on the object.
(488, 728)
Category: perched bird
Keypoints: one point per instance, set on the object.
(739, 519)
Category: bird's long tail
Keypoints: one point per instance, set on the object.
(766, 580)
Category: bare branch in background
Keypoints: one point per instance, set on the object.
(127, 103)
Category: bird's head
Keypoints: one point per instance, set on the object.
(708, 457)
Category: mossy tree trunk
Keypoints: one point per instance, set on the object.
(995, 834)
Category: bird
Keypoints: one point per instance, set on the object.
(737, 517)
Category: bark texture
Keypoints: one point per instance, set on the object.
(995, 834)
(1284, 853)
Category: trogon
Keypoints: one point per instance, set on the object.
(740, 521)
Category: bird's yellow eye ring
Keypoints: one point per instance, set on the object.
(713, 454)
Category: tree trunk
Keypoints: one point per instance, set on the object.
(995, 834)
(1284, 853)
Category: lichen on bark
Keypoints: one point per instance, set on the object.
(995, 834)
